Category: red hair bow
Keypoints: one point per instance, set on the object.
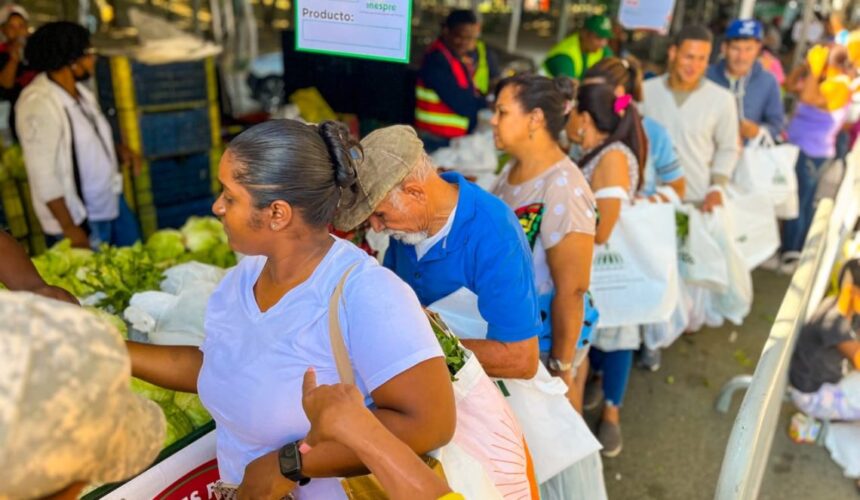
(621, 103)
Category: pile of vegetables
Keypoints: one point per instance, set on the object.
(107, 279)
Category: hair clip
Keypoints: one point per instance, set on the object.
(621, 104)
(568, 106)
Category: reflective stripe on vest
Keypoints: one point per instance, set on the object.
(431, 114)
(482, 72)
(570, 47)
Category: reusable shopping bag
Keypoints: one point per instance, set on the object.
(487, 456)
(700, 258)
(768, 168)
(556, 434)
(634, 275)
(734, 304)
(754, 227)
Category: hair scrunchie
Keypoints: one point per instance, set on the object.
(622, 103)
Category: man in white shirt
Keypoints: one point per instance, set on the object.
(67, 143)
(700, 116)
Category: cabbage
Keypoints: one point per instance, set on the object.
(152, 392)
(112, 320)
(178, 423)
(165, 246)
(203, 233)
(193, 408)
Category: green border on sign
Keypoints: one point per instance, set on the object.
(353, 54)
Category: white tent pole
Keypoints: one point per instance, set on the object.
(516, 19)
(747, 9)
(562, 21)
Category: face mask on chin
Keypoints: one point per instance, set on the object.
(84, 76)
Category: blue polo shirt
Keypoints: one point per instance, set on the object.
(485, 252)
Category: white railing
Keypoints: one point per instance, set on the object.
(749, 445)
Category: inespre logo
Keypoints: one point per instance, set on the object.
(608, 260)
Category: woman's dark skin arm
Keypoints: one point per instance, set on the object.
(17, 272)
(172, 367)
(423, 419)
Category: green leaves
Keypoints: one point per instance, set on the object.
(455, 356)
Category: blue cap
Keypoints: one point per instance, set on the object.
(745, 28)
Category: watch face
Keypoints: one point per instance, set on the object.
(288, 460)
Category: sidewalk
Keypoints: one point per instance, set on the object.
(674, 439)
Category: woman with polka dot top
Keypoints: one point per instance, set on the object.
(608, 130)
(556, 208)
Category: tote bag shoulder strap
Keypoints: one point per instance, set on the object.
(338, 345)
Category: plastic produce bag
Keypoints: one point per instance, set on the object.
(175, 316)
(183, 276)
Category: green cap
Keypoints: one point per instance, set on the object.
(599, 25)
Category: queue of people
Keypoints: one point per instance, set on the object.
(512, 266)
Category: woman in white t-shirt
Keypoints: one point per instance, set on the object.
(267, 321)
(608, 130)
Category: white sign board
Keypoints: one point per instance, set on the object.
(646, 14)
(371, 29)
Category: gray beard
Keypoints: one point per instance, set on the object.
(411, 239)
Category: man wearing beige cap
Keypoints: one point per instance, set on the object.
(459, 247)
(67, 414)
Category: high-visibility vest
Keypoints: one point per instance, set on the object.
(433, 115)
(481, 78)
(571, 47)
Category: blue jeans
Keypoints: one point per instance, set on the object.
(121, 232)
(615, 367)
(808, 171)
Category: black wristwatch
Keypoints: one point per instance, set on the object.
(290, 460)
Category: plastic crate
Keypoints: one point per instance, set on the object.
(153, 84)
(174, 216)
(174, 180)
(174, 133)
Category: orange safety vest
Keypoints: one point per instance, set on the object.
(431, 114)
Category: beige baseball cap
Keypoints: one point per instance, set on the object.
(390, 154)
(67, 413)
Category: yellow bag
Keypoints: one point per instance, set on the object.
(312, 106)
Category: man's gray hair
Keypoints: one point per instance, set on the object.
(422, 171)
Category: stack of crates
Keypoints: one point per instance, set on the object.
(169, 114)
(18, 217)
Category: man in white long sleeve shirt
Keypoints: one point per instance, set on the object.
(700, 115)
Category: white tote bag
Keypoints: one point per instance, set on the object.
(634, 275)
(754, 226)
(700, 258)
(768, 168)
(734, 304)
(556, 434)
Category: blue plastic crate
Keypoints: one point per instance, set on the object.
(175, 180)
(156, 84)
(173, 133)
(174, 216)
(161, 84)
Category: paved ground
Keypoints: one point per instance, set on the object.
(674, 440)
